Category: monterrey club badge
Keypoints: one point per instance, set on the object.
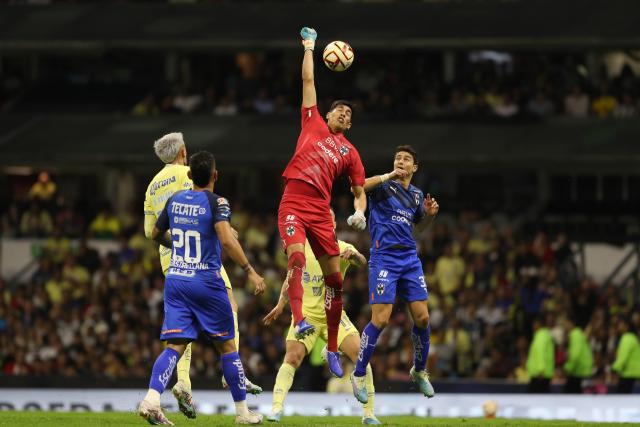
(291, 230)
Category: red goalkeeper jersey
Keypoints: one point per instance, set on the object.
(322, 156)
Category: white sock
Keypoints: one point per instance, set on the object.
(241, 408)
(153, 397)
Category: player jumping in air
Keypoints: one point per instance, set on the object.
(173, 177)
(395, 206)
(313, 310)
(322, 154)
(195, 296)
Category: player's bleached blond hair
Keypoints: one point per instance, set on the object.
(168, 147)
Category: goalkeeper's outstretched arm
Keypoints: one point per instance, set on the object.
(308, 85)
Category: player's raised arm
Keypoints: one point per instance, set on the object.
(430, 208)
(309, 36)
(374, 181)
(232, 247)
(358, 220)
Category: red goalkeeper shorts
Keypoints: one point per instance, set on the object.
(301, 218)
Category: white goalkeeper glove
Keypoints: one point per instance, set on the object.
(309, 36)
(357, 221)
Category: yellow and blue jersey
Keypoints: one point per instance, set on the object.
(168, 181)
(313, 282)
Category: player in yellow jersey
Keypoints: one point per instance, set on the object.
(172, 178)
(313, 310)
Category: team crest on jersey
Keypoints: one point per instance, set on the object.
(291, 230)
(344, 150)
(380, 288)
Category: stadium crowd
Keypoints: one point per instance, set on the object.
(485, 85)
(98, 314)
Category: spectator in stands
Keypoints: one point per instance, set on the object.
(105, 225)
(579, 364)
(576, 103)
(228, 105)
(449, 271)
(11, 221)
(146, 107)
(627, 363)
(540, 105)
(44, 189)
(541, 359)
(626, 108)
(604, 104)
(36, 222)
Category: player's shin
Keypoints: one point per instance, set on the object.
(420, 338)
(367, 346)
(233, 372)
(161, 374)
(284, 380)
(333, 308)
(184, 366)
(371, 391)
(296, 265)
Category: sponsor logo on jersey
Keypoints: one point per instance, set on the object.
(416, 197)
(306, 277)
(187, 209)
(383, 273)
(222, 201)
(157, 185)
(317, 291)
(185, 221)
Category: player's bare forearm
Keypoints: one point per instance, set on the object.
(373, 182)
(308, 83)
(163, 238)
(425, 223)
(231, 245)
(358, 260)
(359, 199)
(149, 223)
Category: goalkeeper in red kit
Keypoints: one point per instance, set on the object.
(322, 154)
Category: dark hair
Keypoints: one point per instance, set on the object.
(339, 102)
(201, 164)
(408, 149)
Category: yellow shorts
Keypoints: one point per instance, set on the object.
(346, 329)
(165, 260)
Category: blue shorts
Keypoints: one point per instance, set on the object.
(193, 307)
(396, 272)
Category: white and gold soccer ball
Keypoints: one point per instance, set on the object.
(338, 56)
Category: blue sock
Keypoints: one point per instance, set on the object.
(367, 346)
(420, 338)
(234, 374)
(163, 369)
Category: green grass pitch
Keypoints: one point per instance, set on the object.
(32, 419)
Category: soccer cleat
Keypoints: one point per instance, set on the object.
(303, 329)
(251, 387)
(359, 390)
(249, 418)
(333, 360)
(275, 416)
(185, 399)
(421, 378)
(153, 414)
(371, 421)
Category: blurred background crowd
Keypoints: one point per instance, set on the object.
(411, 85)
(86, 313)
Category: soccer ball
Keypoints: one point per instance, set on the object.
(490, 408)
(338, 56)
